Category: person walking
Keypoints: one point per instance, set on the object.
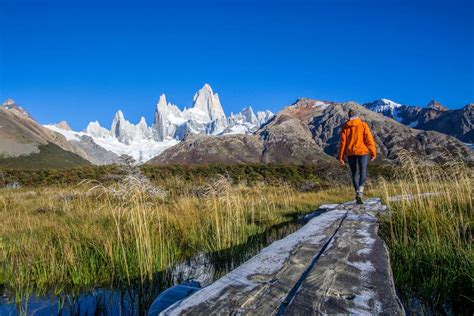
(357, 143)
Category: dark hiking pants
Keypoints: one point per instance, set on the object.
(358, 165)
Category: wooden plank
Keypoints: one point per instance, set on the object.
(353, 276)
(260, 284)
(334, 264)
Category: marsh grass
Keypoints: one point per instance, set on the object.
(74, 237)
(77, 237)
(429, 233)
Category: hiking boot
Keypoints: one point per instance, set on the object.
(359, 199)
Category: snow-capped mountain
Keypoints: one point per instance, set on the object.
(95, 130)
(100, 145)
(206, 116)
(128, 133)
(246, 121)
(385, 106)
(404, 114)
(171, 124)
(304, 133)
(434, 116)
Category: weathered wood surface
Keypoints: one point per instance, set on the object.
(334, 264)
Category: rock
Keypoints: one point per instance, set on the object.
(436, 117)
(457, 123)
(13, 185)
(94, 153)
(63, 125)
(173, 295)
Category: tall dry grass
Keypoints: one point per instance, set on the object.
(429, 231)
(76, 237)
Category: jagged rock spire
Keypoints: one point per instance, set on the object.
(206, 116)
(208, 102)
(249, 115)
(165, 113)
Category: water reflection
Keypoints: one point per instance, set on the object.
(137, 298)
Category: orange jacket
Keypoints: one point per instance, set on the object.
(356, 139)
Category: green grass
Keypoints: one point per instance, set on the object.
(189, 174)
(76, 237)
(297, 176)
(430, 237)
(50, 156)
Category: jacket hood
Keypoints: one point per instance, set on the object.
(354, 122)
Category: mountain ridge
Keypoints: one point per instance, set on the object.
(170, 125)
(308, 132)
(434, 116)
(25, 142)
(305, 129)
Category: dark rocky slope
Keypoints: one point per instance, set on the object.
(457, 123)
(434, 117)
(285, 139)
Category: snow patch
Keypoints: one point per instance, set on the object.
(237, 129)
(413, 124)
(69, 135)
(139, 149)
(321, 104)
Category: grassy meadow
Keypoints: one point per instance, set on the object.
(62, 237)
(59, 232)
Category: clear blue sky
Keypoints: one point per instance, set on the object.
(82, 61)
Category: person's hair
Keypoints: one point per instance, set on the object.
(353, 112)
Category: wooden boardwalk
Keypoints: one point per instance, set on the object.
(335, 264)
